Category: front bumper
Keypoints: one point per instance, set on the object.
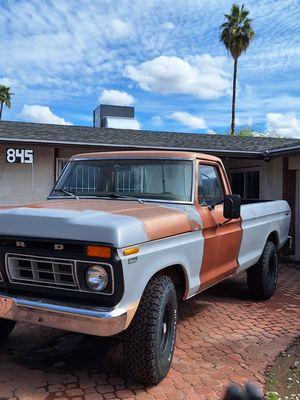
(84, 319)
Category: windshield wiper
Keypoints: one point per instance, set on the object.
(70, 194)
(121, 196)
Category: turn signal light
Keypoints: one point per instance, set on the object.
(98, 251)
(131, 250)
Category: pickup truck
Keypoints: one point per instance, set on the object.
(122, 238)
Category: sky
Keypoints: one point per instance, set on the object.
(63, 58)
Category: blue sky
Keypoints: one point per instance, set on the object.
(62, 58)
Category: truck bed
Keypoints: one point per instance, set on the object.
(260, 219)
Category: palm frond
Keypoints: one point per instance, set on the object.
(236, 32)
(5, 95)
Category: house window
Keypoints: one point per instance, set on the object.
(60, 165)
(246, 184)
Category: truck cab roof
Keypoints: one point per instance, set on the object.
(153, 154)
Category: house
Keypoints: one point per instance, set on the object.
(33, 155)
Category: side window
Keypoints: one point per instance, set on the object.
(210, 189)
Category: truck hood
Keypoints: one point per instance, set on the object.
(117, 222)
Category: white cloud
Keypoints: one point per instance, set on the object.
(168, 25)
(8, 82)
(283, 125)
(41, 114)
(157, 120)
(189, 120)
(71, 50)
(203, 76)
(119, 29)
(116, 97)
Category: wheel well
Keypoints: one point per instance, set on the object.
(178, 274)
(273, 237)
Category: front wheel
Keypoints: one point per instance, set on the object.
(6, 327)
(148, 343)
(262, 277)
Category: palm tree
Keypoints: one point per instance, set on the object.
(236, 34)
(5, 97)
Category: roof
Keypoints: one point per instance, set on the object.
(220, 145)
(144, 154)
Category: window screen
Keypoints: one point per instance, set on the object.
(210, 189)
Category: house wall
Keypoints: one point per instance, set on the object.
(289, 194)
(292, 178)
(31, 183)
(271, 176)
(26, 183)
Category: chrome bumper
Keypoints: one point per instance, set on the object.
(91, 320)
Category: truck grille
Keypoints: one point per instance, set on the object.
(41, 271)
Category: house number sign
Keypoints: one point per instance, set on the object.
(19, 156)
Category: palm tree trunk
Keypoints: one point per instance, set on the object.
(1, 108)
(233, 97)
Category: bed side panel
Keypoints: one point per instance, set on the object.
(259, 220)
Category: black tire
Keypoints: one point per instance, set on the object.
(6, 327)
(148, 343)
(262, 277)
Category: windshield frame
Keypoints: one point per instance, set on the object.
(144, 200)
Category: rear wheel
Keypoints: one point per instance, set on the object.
(6, 327)
(262, 277)
(149, 341)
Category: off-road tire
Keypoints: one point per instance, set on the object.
(262, 277)
(148, 343)
(6, 327)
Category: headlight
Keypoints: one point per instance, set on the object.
(96, 278)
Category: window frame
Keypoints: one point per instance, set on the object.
(244, 171)
(222, 176)
(59, 171)
(193, 186)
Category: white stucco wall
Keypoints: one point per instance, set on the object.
(270, 175)
(26, 183)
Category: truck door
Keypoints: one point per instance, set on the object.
(221, 241)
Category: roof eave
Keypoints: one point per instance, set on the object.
(284, 150)
(224, 152)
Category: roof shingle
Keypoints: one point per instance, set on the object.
(90, 136)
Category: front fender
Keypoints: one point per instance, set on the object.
(185, 250)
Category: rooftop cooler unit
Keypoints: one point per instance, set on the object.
(119, 117)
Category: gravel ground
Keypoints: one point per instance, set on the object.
(283, 377)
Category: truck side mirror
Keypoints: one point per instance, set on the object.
(232, 206)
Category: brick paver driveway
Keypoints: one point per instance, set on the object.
(223, 337)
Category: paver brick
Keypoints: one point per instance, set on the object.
(223, 337)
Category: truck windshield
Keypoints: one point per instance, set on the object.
(169, 180)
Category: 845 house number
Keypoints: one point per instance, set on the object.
(20, 156)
